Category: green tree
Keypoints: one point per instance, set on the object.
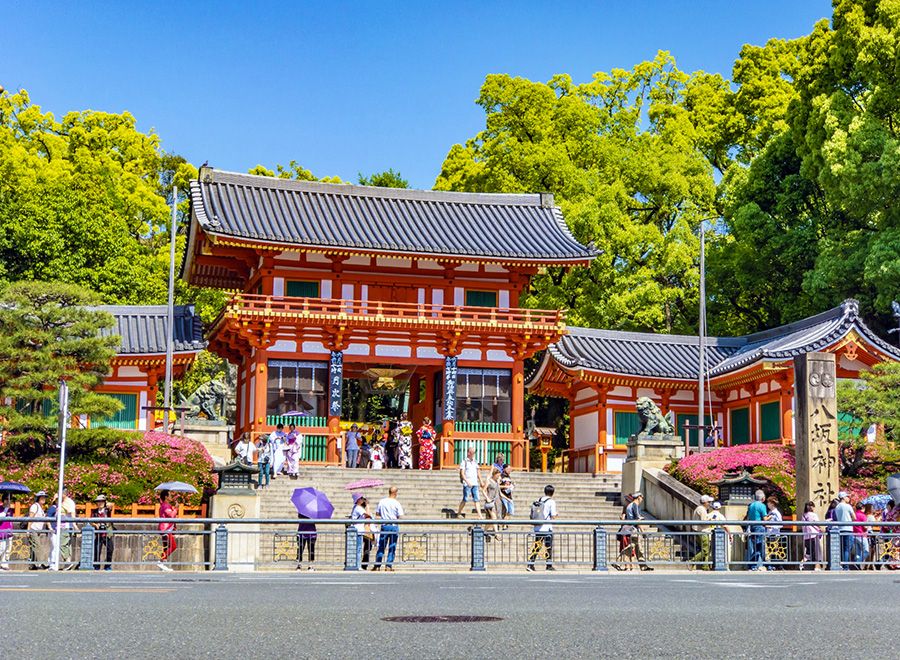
(49, 333)
(631, 170)
(874, 399)
(387, 179)
(292, 170)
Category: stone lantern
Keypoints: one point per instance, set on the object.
(738, 488)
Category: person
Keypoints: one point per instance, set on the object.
(701, 512)
(364, 531)
(352, 446)
(277, 440)
(499, 462)
(388, 509)
(633, 516)
(716, 513)
(166, 510)
(103, 539)
(264, 452)
(392, 445)
(623, 538)
(37, 531)
(471, 481)
(365, 453)
(292, 454)
(812, 548)
(891, 536)
(507, 486)
(870, 558)
(844, 514)
(67, 531)
(426, 435)
(53, 559)
(6, 512)
(377, 456)
(404, 443)
(543, 510)
(242, 451)
(306, 538)
(756, 542)
(860, 538)
(773, 533)
(492, 503)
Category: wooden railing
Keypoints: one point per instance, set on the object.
(248, 304)
(128, 511)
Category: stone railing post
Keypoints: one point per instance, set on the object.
(88, 538)
(477, 548)
(601, 541)
(221, 556)
(351, 548)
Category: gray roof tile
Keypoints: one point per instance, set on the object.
(143, 328)
(677, 356)
(313, 214)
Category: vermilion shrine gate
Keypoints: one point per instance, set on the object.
(334, 282)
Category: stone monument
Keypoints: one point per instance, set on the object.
(236, 498)
(654, 446)
(817, 446)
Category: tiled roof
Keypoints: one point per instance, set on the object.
(677, 356)
(143, 329)
(337, 216)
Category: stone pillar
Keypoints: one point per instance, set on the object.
(648, 451)
(816, 448)
(335, 392)
(450, 376)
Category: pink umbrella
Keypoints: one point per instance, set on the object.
(364, 483)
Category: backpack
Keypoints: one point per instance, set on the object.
(537, 509)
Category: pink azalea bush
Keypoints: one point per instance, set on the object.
(123, 465)
(775, 464)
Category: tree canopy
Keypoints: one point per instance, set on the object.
(48, 333)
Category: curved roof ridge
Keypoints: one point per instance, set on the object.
(655, 337)
(353, 189)
(849, 310)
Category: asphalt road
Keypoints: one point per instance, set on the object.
(338, 615)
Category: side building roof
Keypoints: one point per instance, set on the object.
(677, 356)
(326, 216)
(142, 329)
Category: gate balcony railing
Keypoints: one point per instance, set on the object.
(366, 313)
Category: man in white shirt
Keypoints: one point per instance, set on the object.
(244, 451)
(36, 531)
(844, 513)
(388, 509)
(543, 510)
(471, 482)
(67, 531)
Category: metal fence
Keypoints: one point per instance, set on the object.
(252, 545)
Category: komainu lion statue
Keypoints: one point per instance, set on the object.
(652, 420)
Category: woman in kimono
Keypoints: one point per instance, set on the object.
(277, 441)
(404, 437)
(293, 452)
(377, 456)
(426, 434)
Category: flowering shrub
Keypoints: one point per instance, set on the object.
(123, 465)
(775, 464)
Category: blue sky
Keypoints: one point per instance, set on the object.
(347, 87)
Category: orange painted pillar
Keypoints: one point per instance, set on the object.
(518, 415)
(259, 394)
(787, 415)
(754, 434)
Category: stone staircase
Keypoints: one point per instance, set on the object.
(431, 495)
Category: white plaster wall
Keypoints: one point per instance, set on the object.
(646, 391)
(357, 349)
(392, 351)
(428, 353)
(316, 258)
(498, 355)
(459, 296)
(285, 345)
(141, 413)
(347, 291)
(364, 292)
(326, 289)
(357, 261)
(586, 429)
(290, 256)
(470, 354)
(467, 268)
(429, 264)
(420, 295)
(503, 299)
(763, 388)
(584, 393)
(315, 347)
(494, 268)
(682, 395)
(130, 371)
(620, 390)
(437, 297)
(614, 463)
(278, 286)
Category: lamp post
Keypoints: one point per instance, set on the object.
(701, 371)
(63, 424)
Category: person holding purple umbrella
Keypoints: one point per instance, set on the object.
(306, 538)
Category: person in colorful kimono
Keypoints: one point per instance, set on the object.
(292, 454)
(426, 436)
(278, 440)
(404, 439)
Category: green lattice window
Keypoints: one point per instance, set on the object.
(126, 418)
(298, 289)
(626, 424)
(740, 426)
(481, 298)
(770, 421)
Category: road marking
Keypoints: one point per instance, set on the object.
(87, 590)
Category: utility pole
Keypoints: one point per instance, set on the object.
(63, 424)
(170, 319)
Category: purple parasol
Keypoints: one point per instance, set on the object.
(13, 487)
(312, 503)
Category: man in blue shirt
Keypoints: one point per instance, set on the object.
(844, 513)
(756, 543)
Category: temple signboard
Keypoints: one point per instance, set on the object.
(818, 464)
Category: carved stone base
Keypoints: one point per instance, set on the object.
(648, 451)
